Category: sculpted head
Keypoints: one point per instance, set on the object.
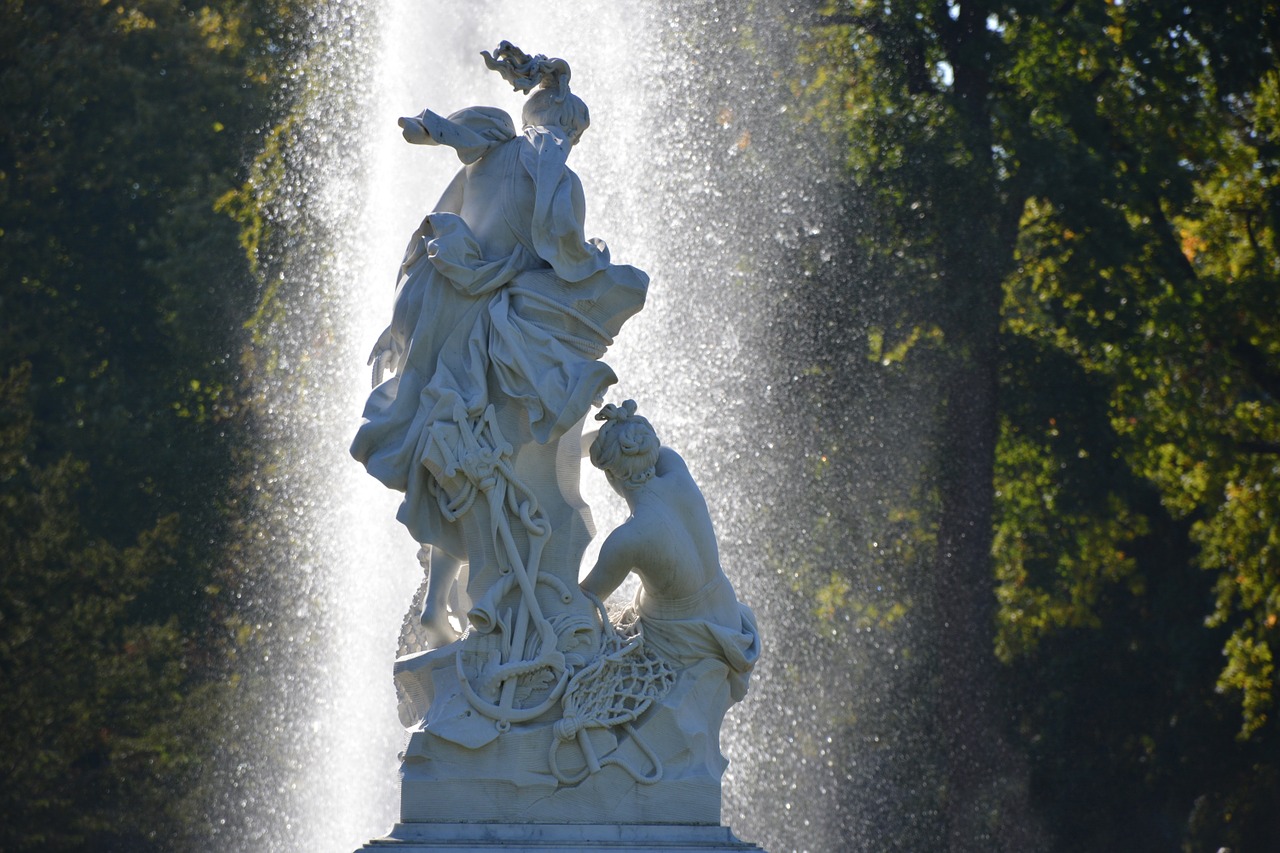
(626, 448)
(552, 104)
(551, 108)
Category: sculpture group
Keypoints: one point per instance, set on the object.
(529, 701)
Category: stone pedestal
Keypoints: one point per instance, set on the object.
(557, 838)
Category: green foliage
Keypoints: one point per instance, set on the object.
(1175, 321)
(1053, 561)
(1112, 168)
(122, 293)
(94, 688)
(125, 122)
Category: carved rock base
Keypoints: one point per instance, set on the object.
(458, 768)
(554, 838)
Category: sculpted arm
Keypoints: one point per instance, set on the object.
(616, 561)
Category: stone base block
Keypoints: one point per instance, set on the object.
(557, 838)
(612, 796)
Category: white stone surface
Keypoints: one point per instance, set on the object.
(471, 837)
(548, 712)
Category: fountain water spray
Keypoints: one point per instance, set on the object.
(694, 142)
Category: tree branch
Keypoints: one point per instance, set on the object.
(1258, 367)
(868, 23)
(1262, 447)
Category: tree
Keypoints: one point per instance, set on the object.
(1174, 337)
(1028, 163)
(95, 690)
(121, 295)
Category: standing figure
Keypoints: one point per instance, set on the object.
(502, 311)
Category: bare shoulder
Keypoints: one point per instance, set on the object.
(670, 462)
(623, 544)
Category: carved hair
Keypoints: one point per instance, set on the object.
(553, 105)
(525, 72)
(626, 446)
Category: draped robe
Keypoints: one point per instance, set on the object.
(502, 301)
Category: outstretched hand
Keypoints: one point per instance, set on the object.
(413, 130)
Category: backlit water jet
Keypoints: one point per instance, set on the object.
(695, 173)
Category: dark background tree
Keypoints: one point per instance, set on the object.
(122, 294)
(1045, 178)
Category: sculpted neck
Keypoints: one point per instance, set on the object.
(640, 495)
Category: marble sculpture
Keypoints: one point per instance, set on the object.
(528, 701)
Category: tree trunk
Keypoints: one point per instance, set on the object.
(987, 798)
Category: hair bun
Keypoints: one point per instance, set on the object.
(618, 414)
(626, 446)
